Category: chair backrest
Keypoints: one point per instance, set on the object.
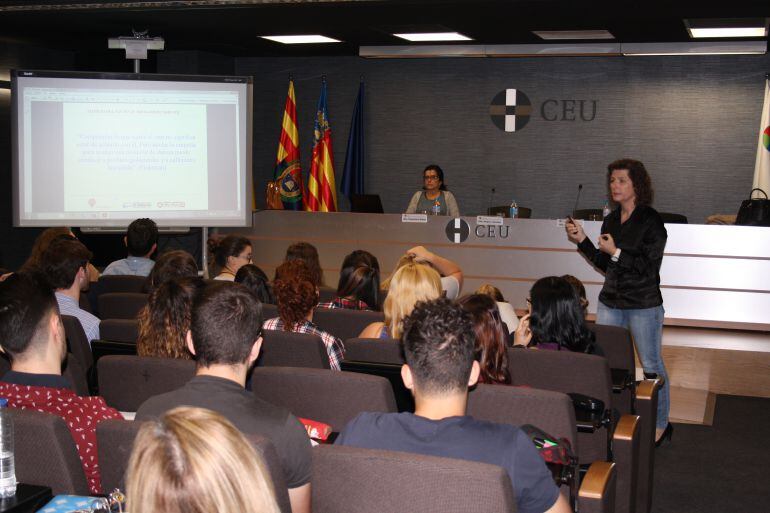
(77, 342)
(670, 218)
(592, 214)
(374, 350)
(45, 453)
(115, 441)
(119, 330)
(332, 397)
(525, 212)
(121, 305)
(616, 344)
(125, 382)
(119, 283)
(550, 411)
(288, 349)
(326, 293)
(343, 323)
(505, 211)
(350, 479)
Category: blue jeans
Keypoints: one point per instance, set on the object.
(646, 326)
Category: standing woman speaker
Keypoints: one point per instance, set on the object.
(630, 253)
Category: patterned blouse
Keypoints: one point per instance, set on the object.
(81, 414)
(345, 303)
(334, 347)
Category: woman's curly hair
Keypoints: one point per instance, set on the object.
(294, 291)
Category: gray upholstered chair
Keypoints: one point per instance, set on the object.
(126, 382)
(344, 324)
(45, 453)
(332, 397)
(115, 441)
(354, 480)
(121, 305)
(77, 343)
(374, 350)
(288, 349)
(119, 330)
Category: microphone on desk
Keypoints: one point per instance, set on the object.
(577, 199)
(491, 200)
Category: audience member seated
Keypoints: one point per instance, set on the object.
(411, 283)
(555, 320)
(256, 281)
(296, 297)
(580, 290)
(451, 274)
(141, 240)
(48, 236)
(359, 285)
(33, 337)
(225, 337)
(164, 322)
(64, 264)
(491, 339)
(507, 312)
(439, 347)
(309, 254)
(194, 461)
(171, 265)
(230, 254)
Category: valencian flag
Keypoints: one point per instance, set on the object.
(762, 165)
(321, 189)
(288, 172)
(353, 172)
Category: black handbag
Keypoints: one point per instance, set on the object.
(754, 211)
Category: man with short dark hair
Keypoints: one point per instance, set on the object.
(65, 266)
(141, 240)
(225, 336)
(32, 335)
(439, 344)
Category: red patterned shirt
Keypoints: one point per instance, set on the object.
(81, 414)
(345, 303)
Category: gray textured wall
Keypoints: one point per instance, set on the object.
(692, 120)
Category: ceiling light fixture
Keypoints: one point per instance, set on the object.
(301, 39)
(554, 35)
(434, 36)
(726, 28)
(695, 48)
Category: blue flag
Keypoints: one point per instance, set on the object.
(353, 173)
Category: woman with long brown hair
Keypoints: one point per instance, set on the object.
(491, 339)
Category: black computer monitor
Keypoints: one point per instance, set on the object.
(369, 203)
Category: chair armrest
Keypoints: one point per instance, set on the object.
(625, 454)
(646, 406)
(597, 491)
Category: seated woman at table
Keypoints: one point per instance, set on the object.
(296, 297)
(195, 461)
(358, 289)
(413, 282)
(433, 194)
(491, 339)
(555, 320)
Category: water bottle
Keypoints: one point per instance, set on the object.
(514, 212)
(606, 210)
(436, 210)
(7, 467)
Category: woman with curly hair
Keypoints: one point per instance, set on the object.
(296, 296)
(308, 254)
(411, 283)
(164, 322)
(491, 339)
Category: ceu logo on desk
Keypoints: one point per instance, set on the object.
(457, 230)
(510, 110)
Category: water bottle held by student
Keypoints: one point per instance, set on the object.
(606, 210)
(7, 467)
(514, 212)
(436, 210)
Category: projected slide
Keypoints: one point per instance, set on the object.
(112, 151)
(102, 149)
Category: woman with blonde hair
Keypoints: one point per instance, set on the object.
(195, 461)
(507, 312)
(411, 283)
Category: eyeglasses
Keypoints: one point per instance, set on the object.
(529, 301)
(430, 178)
(245, 257)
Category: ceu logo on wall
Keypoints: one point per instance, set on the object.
(766, 138)
(457, 230)
(510, 110)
